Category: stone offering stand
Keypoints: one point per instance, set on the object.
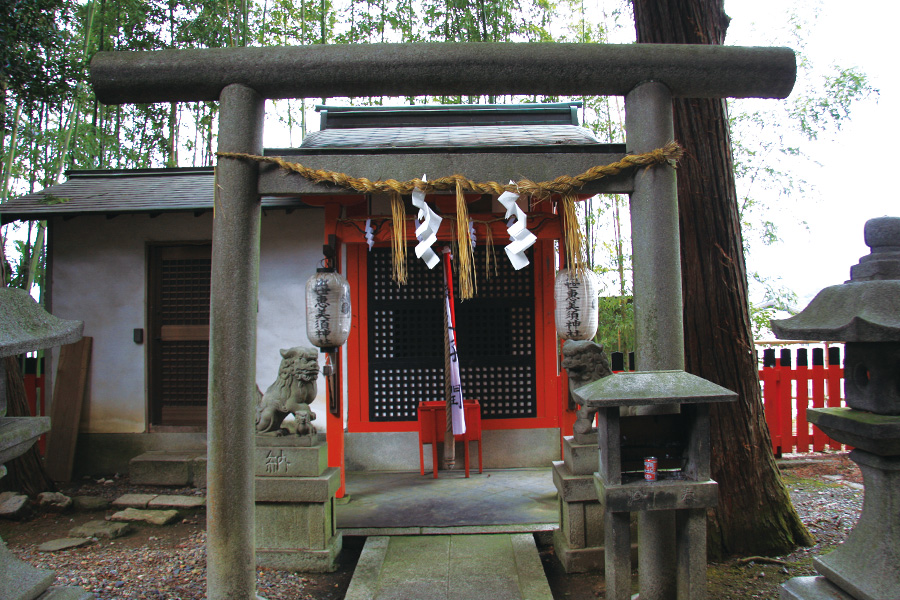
(678, 436)
(865, 313)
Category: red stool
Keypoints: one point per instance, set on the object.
(433, 425)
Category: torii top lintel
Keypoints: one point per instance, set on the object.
(689, 71)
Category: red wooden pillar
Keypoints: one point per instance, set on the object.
(335, 422)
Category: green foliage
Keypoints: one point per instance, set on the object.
(615, 328)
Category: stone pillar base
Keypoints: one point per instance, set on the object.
(577, 560)
(295, 526)
(578, 543)
(300, 559)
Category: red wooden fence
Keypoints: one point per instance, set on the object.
(790, 387)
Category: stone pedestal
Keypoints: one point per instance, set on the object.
(295, 491)
(579, 540)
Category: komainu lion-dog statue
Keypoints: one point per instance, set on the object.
(292, 393)
(584, 362)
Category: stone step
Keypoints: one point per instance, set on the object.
(160, 467)
(499, 567)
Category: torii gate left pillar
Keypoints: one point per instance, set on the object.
(230, 543)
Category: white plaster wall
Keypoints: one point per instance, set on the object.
(99, 276)
(290, 251)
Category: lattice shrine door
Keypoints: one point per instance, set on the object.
(505, 334)
(178, 325)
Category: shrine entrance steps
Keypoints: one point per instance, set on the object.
(449, 567)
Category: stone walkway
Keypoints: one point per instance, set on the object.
(497, 501)
(449, 567)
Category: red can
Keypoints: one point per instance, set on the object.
(650, 468)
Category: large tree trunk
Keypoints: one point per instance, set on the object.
(754, 515)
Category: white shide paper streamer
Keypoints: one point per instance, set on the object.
(427, 230)
(520, 238)
(370, 234)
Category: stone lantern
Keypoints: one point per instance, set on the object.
(864, 312)
(26, 327)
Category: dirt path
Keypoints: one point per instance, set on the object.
(169, 563)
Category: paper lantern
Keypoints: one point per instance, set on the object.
(576, 305)
(327, 309)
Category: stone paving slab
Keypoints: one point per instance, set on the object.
(153, 517)
(449, 567)
(63, 544)
(133, 500)
(101, 529)
(177, 502)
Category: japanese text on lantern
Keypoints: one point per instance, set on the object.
(573, 314)
(322, 316)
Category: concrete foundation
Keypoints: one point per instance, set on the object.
(502, 449)
(295, 490)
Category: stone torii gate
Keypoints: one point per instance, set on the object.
(241, 79)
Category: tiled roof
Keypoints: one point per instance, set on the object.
(449, 137)
(119, 192)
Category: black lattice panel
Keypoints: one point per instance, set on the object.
(185, 369)
(395, 393)
(406, 340)
(504, 392)
(184, 289)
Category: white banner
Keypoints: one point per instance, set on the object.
(457, 413)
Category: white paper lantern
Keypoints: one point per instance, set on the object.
(576, 305)
(328, 313)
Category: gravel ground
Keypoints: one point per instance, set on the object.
(169, 563)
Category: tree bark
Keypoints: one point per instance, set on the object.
(26, 473)
(755, 514)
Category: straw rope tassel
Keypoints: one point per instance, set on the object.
(463, 247)
(489, 255)
(564, 184)
(398, 239)
(574, 236)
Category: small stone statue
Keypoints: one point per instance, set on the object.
(291, 393)
(585, 362)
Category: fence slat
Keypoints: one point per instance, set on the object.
(802, 377)
(768, 377)
(818, 375)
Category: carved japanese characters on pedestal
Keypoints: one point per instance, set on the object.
(292, 393)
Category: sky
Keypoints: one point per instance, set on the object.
(853, 180)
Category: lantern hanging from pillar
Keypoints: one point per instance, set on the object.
(327, 309)
(576, 304)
